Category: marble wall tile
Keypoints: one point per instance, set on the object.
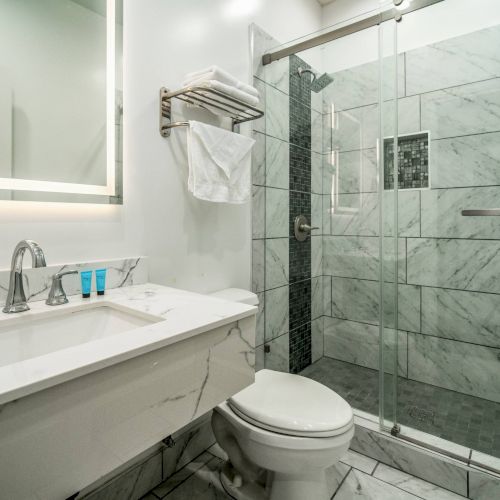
(277, 157)
(258, 212)
(277, 314)
(260, 320)
(277, 74)
(327, 295)
(327, 214)
(466, 368)
(483, 486)
(316, 297)
(413, 485)
(259, 358)
(359, 86)
(278, 356)
(260, 42)
(277, 213)
(358, 214)
(463, 59)
(277, 116)
(365, 487)
(358, 343)
(459, 264)
(358, 300)
(465, 161)
(444, 473)
(465, 110)
(258, 265)
(316, 256)
(316, 131)
(277, 259)
(259, 159)
(354, 172)
(442, 213)
(259, 125)
(133, 483)
(358, 257)
(38, 281)
(317, 213)
(316, 339)
(460, 315)
(316, 173)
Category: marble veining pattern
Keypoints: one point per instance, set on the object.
(276, 210)
(276, 262)
(276, 312)
(277, 161)
(37, 282)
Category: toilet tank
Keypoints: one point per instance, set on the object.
(237, 295)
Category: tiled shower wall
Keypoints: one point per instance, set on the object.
(287, 181)
(449, 265)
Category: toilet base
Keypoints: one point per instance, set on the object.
(282, 486)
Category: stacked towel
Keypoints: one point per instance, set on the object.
(218, 79)
(219, 164)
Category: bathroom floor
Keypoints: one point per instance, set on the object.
(357, 476)
(466, 420)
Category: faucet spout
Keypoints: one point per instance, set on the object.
(16, 298)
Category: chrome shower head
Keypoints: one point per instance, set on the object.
(317, 83)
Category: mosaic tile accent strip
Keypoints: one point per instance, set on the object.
(413, 158)
(300, 348)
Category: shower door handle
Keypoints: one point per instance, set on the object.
(490, 212)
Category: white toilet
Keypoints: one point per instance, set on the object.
(280, 434)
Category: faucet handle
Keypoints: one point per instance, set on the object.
(57, 295)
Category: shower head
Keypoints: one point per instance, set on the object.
(317, 83)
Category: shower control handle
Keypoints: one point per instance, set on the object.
(302, 228)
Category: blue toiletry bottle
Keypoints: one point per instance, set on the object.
(86, 277)
(100, 281)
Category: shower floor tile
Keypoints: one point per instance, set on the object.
(460, 418)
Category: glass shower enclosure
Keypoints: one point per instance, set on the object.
(384, 136)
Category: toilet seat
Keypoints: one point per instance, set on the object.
(292, 405)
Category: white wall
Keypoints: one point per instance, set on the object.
(444, 20)
(192, 244)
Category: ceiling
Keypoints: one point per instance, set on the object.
(325, 2)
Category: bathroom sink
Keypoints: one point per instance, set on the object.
(29, 337)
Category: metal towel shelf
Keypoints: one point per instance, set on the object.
(207, 98)
(491, 212)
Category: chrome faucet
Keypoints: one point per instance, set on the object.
(16, 299)
(57, 295)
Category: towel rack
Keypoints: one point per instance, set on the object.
(204, 97)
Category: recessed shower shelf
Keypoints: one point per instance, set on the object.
(207, 98)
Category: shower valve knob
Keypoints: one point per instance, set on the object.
(302, 228)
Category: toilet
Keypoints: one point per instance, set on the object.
(281, 434)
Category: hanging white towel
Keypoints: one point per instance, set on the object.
(219, 164)
(216, 73)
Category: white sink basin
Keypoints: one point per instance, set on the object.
(29, 337)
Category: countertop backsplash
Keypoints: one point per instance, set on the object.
(37, 282)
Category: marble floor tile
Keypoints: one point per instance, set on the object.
(204, 483)
(277, 163)
(453, 263)
(357, 484)
(414, 485)
(335, 475)
(277, 213)
(460, 315)
(218, 452)
(360, 462)
(358, 343)
(442, 213)
(277, 259)
(458, 366)
(483, 486)
(277, 314)
(164, 488)
(468, 109)
(470, 160)
(455, 61)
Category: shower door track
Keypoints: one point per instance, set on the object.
(369, 22)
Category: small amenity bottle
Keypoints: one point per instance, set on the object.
(100, 281)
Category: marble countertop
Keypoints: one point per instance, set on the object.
(180, 315)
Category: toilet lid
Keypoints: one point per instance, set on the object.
(293, 405)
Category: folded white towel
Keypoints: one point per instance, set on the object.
(227, 103)
(216, 73)
(219, 164)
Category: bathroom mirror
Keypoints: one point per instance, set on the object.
(61, 111)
